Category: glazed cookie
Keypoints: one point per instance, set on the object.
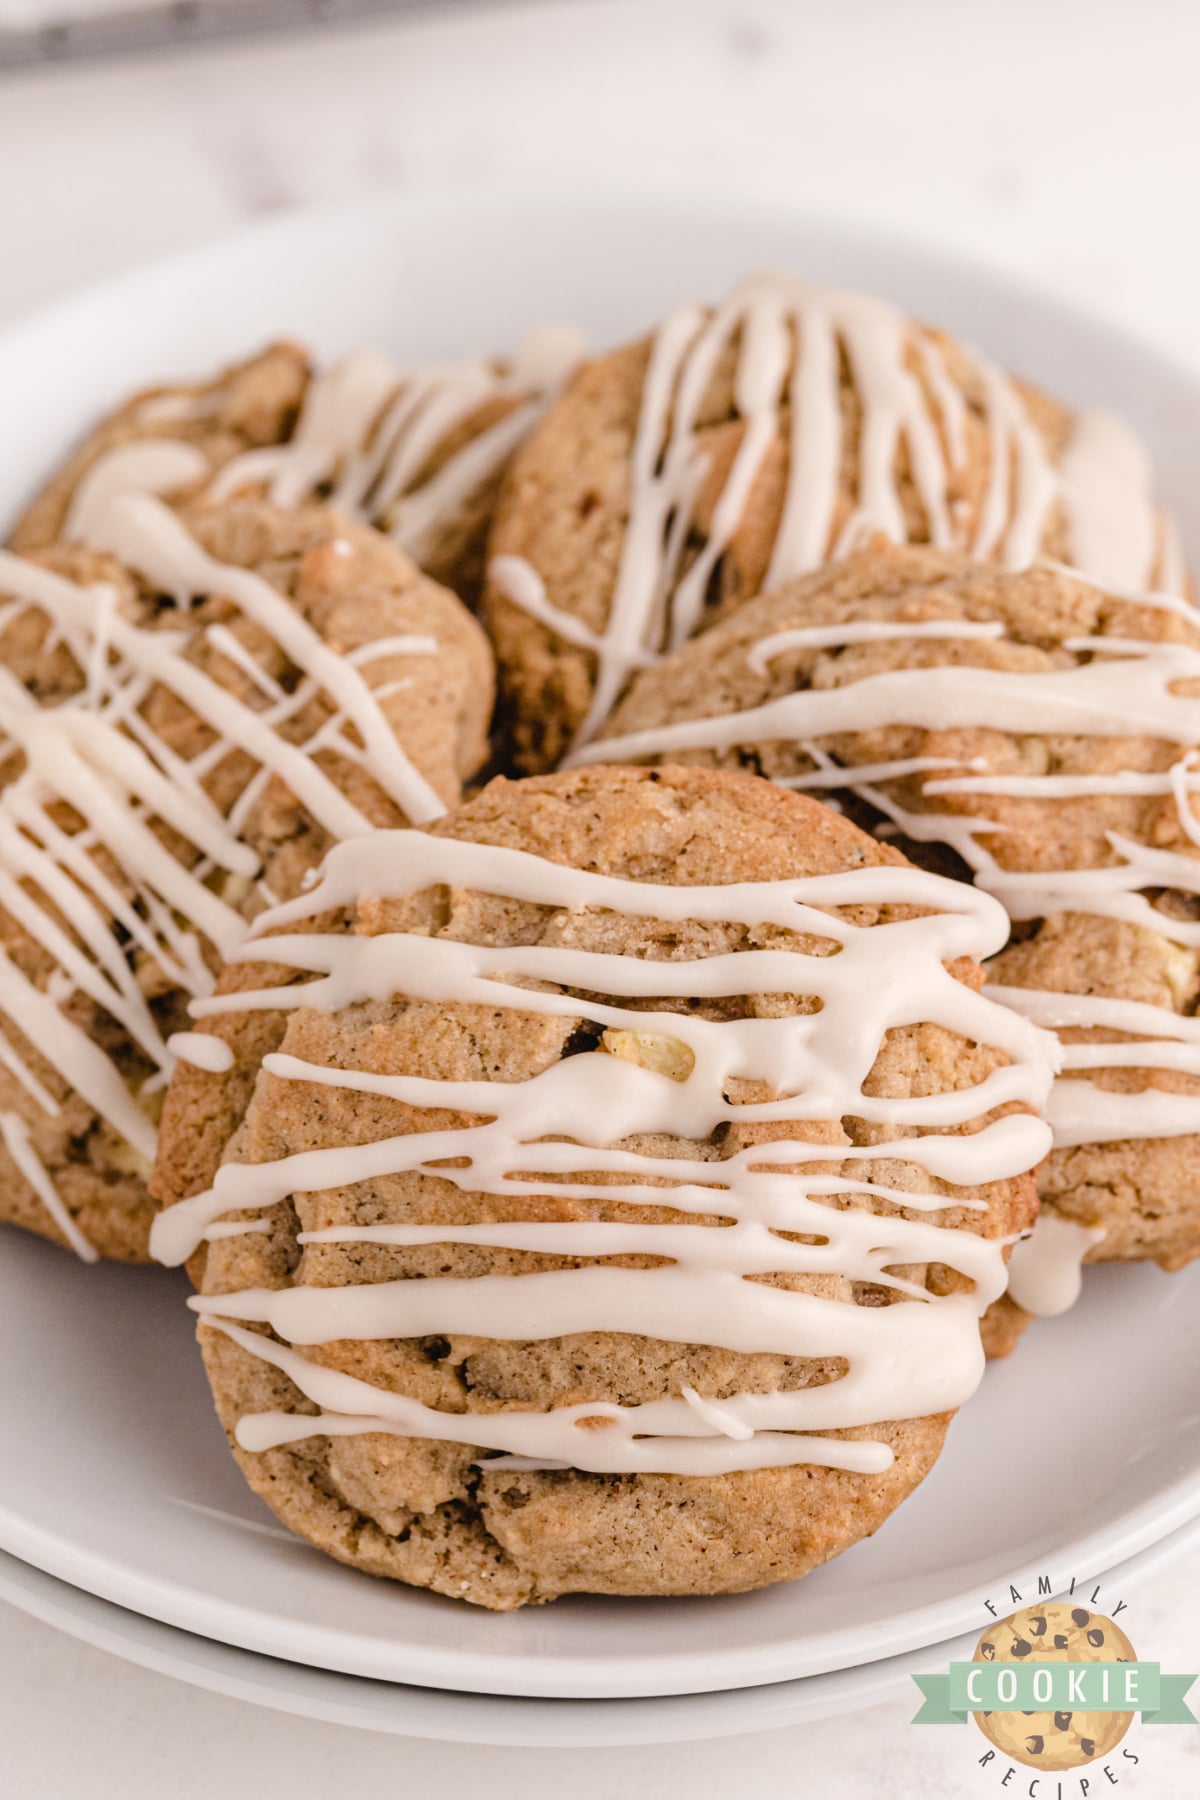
(742, 446)
(189, 723)
(1035, 732)
(417, 453)
(618, 1208)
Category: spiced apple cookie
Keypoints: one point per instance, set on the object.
(188, 721)
(418, 453)
(617, 1211)
(1037, 733)
(744, 445)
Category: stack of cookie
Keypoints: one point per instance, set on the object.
(605, 1182)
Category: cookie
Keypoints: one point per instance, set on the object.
(191, 720)
(594, 1227)
(417, 453)
(741, 446)
(1033, 731)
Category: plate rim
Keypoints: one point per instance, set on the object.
(548, 196)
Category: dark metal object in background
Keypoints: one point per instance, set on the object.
(142, 25)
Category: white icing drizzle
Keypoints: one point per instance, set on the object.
(792, 336)
(1160, 1039)
(366, 431)
(952, 402)
(146, 466)
(15, 1133)
(150, 538)
(1045, 1271)
(1078, 1112)
(97, 753)
(231, 1228)
(522, 583)
(369, 427)
(202, 1050)
(560, 1133)
(1022, 483)
(340, 410)
(1128, 687)
(867, 631)
(1113, 696)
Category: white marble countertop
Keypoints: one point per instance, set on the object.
(1061, 141)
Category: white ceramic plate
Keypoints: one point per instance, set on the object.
(1080, 1452)
(487, 1719)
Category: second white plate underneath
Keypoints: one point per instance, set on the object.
(491, 1719)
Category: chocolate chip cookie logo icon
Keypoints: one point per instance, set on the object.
(1060, 1632)
(1055, 1686)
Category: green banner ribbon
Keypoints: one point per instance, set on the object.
(1094, 1687)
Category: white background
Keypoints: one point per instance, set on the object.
(1059, 139)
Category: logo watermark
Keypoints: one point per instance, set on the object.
(1054, 1687)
